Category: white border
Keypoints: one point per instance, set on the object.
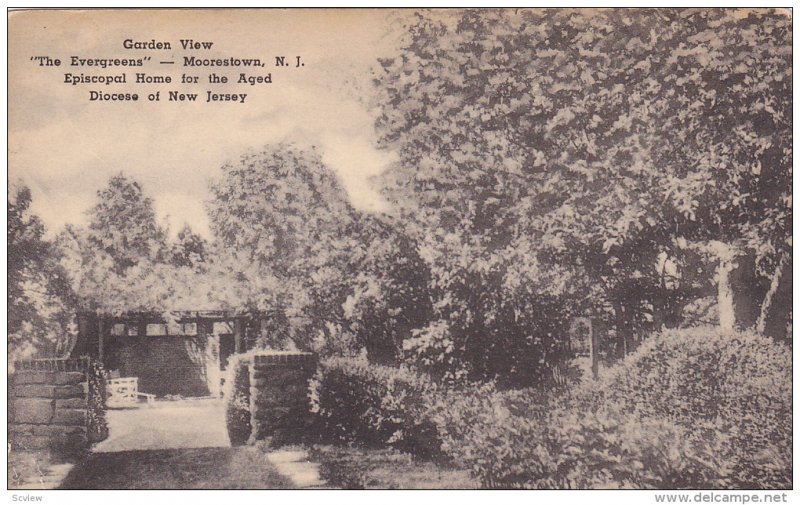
(373, 497)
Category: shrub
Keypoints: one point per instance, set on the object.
(359, 402)
(689, 409)
(712, 382)
(236, 394)
(507, 443)
(97, 428)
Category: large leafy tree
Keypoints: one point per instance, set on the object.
(121, 263)
(667, 178)
(286, 224)
(317, 272)
(124, 226)
(40, 301)
(595, 146)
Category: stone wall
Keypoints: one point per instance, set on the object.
(49, 402)
(280, 405)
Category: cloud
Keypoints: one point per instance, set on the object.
(357, 163)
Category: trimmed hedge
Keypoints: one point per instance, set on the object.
(737, 385)
(236, 394)
(510, 441)
(359, 402)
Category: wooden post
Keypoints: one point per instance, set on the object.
(237, 335)
(212, 357)
(264, 332)
(100, 332)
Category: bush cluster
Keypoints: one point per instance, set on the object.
(689, 409)
(732, 385)
(359, 402)
(510, 441)
(97, 427)
(236, 395)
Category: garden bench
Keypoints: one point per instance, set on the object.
(124, 391)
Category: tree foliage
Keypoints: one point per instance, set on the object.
(552, 164)
(320, 273)
(123, 224)
(121, 261)
(287, 224)
(189, 250)
(389, 292)
(40, 301)
(593, 147)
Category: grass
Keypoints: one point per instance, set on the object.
(26, 467)
(35, 470)
(358, 468)
(193, 468)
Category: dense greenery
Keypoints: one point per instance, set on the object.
(560, 162)
(123, 261)
(359, 402)
(40, 302)
(699, 418)
(713, 382)
(236, 395)
(690, 409)
(97, 427)
(287, 222)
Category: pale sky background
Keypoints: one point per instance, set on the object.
(65, 147)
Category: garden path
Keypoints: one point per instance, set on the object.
(181, 424)
(177, 445)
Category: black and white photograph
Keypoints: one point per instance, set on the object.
(400, 249)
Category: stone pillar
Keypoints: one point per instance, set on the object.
(50, 411)
(280, 407)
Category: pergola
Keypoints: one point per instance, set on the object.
(94, 329)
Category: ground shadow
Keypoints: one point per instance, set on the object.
(194, 468)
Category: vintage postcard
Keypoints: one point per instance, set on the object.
(544, 249)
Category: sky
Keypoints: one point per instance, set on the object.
(65, 147)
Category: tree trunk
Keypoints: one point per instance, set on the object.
(725, 298)
(623, 330)
(776, 309)
(263, 333)
(65, 344)
(748, 290)
(727, 316)
(659, 312)
(594, 349)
